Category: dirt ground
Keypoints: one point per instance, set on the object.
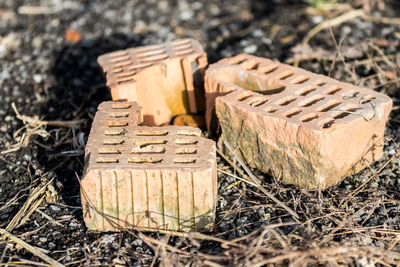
(50, 86)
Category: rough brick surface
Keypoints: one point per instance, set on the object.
(148, 177)
(308, 129)
(166, 79)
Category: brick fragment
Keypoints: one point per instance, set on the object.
(190, 120)
(305, 128)
(148, 177)
(166, 79)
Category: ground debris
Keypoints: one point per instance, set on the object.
(51, 80)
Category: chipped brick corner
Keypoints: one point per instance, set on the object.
(166, 79)
(305, 128)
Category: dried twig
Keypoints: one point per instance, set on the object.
(35, 10)
(333, 22)
(340, 56)
(369, 179)
(237, 177)
(21, 262)
(14, 199)
(355, 62)
(259, 186)
(383, 20)
(229, 210)
(48, 217)
(318, 252)
(30, 248)
(150, 240)
(4, 252)
(34, 126)
(34, 200)
(35, 121)
(233, 165)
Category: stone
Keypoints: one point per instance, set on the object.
(9, 43)
(55, 209)
(165, 79)
(308, 129)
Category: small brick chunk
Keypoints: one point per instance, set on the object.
(148, 177)
(305, 128)
(165, 79)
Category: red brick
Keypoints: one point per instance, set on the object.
(306, 128)
(165, 79)
(149, 177)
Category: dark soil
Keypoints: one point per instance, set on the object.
(48, 78)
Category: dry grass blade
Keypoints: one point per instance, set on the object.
(322, 254)
(383, 20)
(34, 200)
(369, 179)
(194, 235)
(152, 241)
(333, 22)
(31, 210)
(354, 62)
(26, 262)
(230, 209)
(13, 200)
(35, 10)
(48, 217)
(237, 177)
(30, 248)
(259, 186)
(34, 126)
(37, 122)
(245, 177)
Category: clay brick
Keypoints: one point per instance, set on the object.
(308, 129)
(166, 79)
(149, 177)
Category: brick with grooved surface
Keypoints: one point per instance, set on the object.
(308, 129)
(148, 177)
(165, 79)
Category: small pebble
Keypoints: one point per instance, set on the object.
(55, 208)
(37, 78)
(73, 225)
(250, 49)
(317, 19)
(137, 242)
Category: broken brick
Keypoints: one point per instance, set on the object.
(189, 120)
(305, 128)
(72, 36)
(147, 177)
(165, 79)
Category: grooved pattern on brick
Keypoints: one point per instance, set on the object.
(304, 97)
(150, 177)
(138, 145)
(166, 79)
(121, 66)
